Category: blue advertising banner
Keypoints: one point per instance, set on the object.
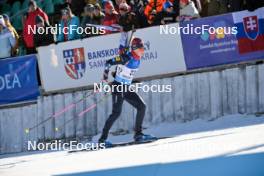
(215, 41)
(18, 80)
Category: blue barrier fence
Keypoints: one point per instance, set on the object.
(18, 80)
(240, 38)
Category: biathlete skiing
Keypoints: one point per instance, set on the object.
(128, 63)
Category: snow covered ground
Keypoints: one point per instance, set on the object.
(229, 146)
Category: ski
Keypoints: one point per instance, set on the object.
(258, 114)
(136, 142)
(121, 144)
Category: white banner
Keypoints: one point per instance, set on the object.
(80, 63)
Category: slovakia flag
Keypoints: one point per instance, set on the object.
(250, 27)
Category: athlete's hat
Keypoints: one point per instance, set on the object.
(136, 44)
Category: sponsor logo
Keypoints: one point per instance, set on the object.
(218, 31)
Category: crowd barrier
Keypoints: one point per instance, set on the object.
(80, 63)
(204, 96)
(18, 80)
(207, 50)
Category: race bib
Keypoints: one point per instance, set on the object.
(125, 73)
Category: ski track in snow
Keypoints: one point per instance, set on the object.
(231, 145)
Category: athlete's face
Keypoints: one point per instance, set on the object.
(139, 51)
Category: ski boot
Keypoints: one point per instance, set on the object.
(141, 138)
(106, 143)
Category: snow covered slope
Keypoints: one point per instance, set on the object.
(228, 146)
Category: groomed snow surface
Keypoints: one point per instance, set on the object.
(229, 146)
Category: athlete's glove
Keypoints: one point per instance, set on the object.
(122, 50)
